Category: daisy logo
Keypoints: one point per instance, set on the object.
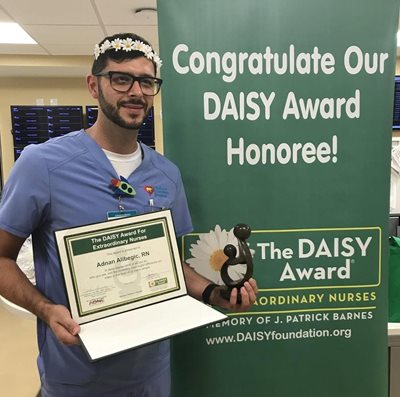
(208, 255)
(149, 190)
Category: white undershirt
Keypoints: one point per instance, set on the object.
(125, 164)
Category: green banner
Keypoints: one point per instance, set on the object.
(279, 115)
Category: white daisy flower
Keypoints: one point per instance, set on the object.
(105, 46)
(127, 44)
(148, 51)
(97, 51)
(116, 44)
(208, 255)
(157, 60)
(139, 45)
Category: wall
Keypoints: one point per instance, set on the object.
(67, 91)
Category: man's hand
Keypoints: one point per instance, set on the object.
(15, 286)
(59, 319)
(248, 294)
(197, 284)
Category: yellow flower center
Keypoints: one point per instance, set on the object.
(217, 259)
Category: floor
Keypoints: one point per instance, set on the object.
(18, 351)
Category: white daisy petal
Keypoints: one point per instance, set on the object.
(212, 240)
(201, 255)
(205, 271)
(206, 246)
(237, 272)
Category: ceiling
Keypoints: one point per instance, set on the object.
(70, 28)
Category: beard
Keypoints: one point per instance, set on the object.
(112, 112)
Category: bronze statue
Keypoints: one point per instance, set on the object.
(242, 233)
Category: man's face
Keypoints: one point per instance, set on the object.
(128, 109)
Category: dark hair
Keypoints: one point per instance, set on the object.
(118, 56)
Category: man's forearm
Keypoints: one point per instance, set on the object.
(16, 287)
(195, 282)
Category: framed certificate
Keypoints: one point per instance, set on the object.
(125, 283)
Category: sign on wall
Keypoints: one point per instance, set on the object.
(279, 115)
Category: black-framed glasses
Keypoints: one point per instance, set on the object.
(123, 82)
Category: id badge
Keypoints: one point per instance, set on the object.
(120, 214)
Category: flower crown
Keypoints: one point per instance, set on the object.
(128, 45)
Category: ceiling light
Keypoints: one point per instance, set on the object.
(12, 33)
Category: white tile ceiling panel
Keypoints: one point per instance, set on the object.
(66, 40)
(4, 17)
(150, 33)
(77, 12)
(121, 12)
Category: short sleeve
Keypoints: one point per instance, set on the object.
(25, 199)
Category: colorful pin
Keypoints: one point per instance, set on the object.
(149, 189)
(123, 187)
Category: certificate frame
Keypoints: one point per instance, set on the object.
(83, 247)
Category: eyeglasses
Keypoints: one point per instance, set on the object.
(123, 82)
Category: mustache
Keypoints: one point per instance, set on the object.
(133, 101)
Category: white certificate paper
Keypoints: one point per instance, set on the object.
(125, 283)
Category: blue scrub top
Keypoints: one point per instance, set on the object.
(66, 182)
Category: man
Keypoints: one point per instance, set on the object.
(67, 182)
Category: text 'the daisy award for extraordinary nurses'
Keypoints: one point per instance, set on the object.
(242, 233)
